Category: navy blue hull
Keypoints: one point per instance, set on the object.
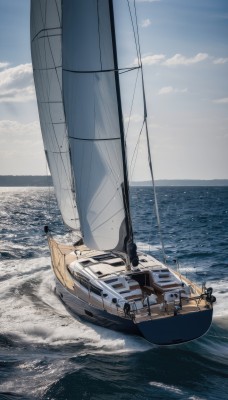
(164, 331)
(95, 315)
(177, 329)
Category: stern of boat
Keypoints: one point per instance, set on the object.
(177, 328)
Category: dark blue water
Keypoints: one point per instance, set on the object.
(46, 354)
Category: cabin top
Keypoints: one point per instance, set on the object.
(102, 264)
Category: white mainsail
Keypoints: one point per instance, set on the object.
(76, 79)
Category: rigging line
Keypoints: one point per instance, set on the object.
(45, 20)
(133, 168)
(132, 104)
(104, 207)
(57, 123)
(97, 71)
(95, 140)
(148, 141)
(49, 36)
(47, 68)
(139, 67)
(59, 152)
(107, 219)
(137, 145)
(53, 102)
(99, 35)
(133, 28)
(57, 8)
(43, 30)
(126, 70)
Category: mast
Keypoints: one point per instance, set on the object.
(126, 185)
(130, 246)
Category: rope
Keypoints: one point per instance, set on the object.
(136, 149)
(147, 137)
(133, 98)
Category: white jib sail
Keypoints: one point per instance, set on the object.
(46, 48)
(93, 122)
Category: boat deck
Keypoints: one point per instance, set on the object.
(110, 272)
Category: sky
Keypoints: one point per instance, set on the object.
(184, 51)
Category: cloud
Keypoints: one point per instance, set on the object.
(220, 60)
(151, 59)
(166, 90)
(21, 148)
(15, 129)
(179, 59)
(4, 65)
(145, 23)
(16, 84)
(170, 89)
(221, 101)
(18, 95)
(176, 60)
(133, 118)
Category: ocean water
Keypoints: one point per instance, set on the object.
(46, 354)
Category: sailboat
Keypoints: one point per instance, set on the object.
(101, 277)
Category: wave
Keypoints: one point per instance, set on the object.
(44, 319)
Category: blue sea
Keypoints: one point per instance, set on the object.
(45, 354)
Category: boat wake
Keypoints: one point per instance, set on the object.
(43, 319)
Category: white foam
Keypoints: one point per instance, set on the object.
(142, 246)
(39, 376)
(33, 312)
(169, 388)
(175, 390)
(27, 189)
(214, 348)
(220, 291)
